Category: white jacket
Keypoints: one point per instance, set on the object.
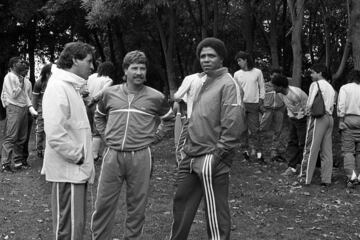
(67, 129)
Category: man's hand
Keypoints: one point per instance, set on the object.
(176, 107)
(261, 105)
(33, 112)
(342, 125)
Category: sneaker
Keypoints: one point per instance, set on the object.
(325, 185)
(260, 158)
(246, 155)
(351, 184)
(289, 172)
(25, 166)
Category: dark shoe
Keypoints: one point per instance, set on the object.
(246, 155)
(325, 185)
(278, 158)
(26, 166)
(351, 184)
(7, 169)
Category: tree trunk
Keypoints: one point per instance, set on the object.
(111, 44)
(325, 14)
(204, 19)
(273, 40)
(346, 53)
(355, 32)
(119, 43)
(31, 30)
(248, 27)
(216, 18)
(297, 18)
(99, 47)
(168, 45)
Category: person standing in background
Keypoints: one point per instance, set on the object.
(68, 162)
(186, 92)
(16, 98)
(38, 92)
(348, 109)
(319, 129)
(96, 84)
(273, 115)
(251, 81)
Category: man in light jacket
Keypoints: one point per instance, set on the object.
(68, 162)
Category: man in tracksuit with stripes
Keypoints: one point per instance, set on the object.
(214, 128)
(127, 117)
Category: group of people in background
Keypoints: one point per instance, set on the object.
(74, 123)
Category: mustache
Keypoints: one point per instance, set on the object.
(139, 76)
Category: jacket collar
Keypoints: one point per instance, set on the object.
(211, 75)
(66, 76)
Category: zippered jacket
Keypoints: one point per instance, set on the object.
(217, 120)
(130, 122)
(67, 129)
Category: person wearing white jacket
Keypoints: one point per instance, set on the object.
(348, 110)
(68, 161)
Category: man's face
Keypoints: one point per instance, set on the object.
(136, 74)
(315, 75)
(84, 67)
(209, 59)
(21, 68)
(242, 63)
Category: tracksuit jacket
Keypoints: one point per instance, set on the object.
(139, 114)
(215, 128)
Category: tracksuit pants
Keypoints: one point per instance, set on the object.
(68, 203)
(350, 145)
(318, 139)
(197, 178)
(135, 169)
(14, 146)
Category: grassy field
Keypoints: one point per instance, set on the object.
(264, 205)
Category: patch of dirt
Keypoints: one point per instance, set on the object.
(264, 205)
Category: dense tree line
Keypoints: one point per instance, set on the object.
(292, 34)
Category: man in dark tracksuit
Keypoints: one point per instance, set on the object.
(127, 117)
(213, 132)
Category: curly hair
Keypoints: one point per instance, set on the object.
(213, 43)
